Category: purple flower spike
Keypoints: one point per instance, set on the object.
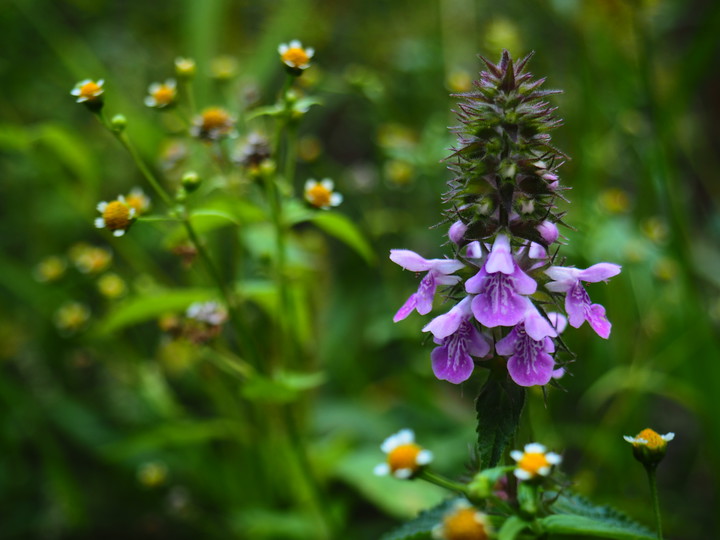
(438, 271)
(577, 301)
(529, 347)
(459, 341)
(500, 285)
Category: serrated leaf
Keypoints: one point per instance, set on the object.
(144, 308)
(342, 228)
(498, 407)
(421, 527)
(581, 525)
(601, 518)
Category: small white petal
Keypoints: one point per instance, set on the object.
(403, 473)
(336, 199)
(283, 48)
(424, 457)
(295, 44)
(75, 92)
(544, 471)
(310, 52)
(522, 474)
(150, 101)
(629, 439)
(102, 206)
(382, 469)
(517, 455)
(668, 436)
(553, 458)
(100, 223)
(327, 184)
(534, 448)
(119, 232)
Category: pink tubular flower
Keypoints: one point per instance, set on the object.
(529, 347)
(458, 341)
(499, 287)
(438, 273)
(577, 301)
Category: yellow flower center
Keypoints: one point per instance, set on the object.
(117, 216)
(164, 95)
(464, 525)
(215, 118)
(318, 195)
(654, 441)
(296, 57)
(533, 462)
(404, 457)
(90, 90)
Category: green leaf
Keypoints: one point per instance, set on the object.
(171, 434)
(402, 499)
(574, 525)
(498, 407)
(144, 308)
(284, 387)
(421, 526)
(343, 228)
(575, 514)
(512, 528)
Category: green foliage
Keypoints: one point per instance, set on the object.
(421, 527)
(498, 407)
(573, 510)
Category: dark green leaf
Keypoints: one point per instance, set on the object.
(580, 525)
(498, 407)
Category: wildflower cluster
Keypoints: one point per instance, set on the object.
(508, 291)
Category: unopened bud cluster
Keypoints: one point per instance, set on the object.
(501, 206)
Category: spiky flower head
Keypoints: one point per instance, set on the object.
(502, 221)
(504, 165)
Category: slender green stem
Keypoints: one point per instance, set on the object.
(320, 501)
(149, 176)
(655, 499)
(443, 482)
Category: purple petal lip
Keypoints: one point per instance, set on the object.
(500, 258)
(599, 272)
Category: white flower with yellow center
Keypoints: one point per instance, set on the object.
(463, 522)
(184, 67)
(321, 194)
(161, 95)
(534, 461)
(213, 123)
(117, 216)
(88, 90)
(295, 56)
(404, 456)
(650, 439)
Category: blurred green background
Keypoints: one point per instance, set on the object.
(119, 435)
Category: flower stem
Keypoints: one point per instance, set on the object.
(655, 499)
(443, 482)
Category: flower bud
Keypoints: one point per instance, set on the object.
(118, 123)
(191, 181)
(549, 231)
(457, 232)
